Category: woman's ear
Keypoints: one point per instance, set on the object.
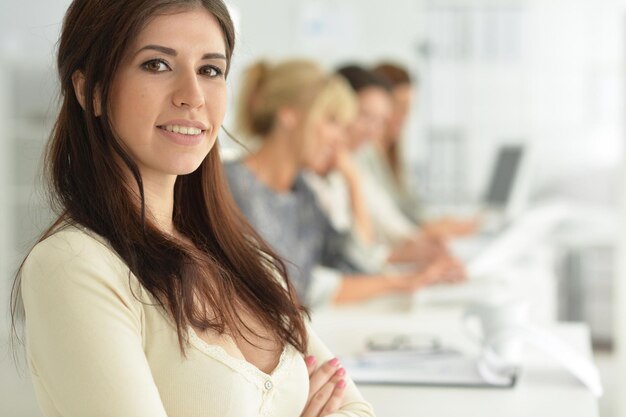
(78, 80)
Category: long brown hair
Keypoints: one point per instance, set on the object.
(228, 266)
(397, 76)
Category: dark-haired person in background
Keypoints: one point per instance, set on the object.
(391, 226)
(406, 238)
(391, 168)
(151, 296)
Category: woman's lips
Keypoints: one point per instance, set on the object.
(182, 138)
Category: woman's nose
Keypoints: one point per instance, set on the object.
(188, 92)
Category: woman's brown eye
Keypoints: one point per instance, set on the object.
(211, 71)
(155, 65)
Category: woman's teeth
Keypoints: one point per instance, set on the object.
(182, 129)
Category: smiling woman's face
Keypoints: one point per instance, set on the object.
(168, 97)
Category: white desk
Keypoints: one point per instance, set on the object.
(544, 389)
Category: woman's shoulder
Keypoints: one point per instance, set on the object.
(72, 252)
(244, 186)
(71, 242)
(73, 283)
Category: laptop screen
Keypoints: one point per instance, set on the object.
(503, 175)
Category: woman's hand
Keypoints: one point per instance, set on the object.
(443, 271)
(422, 249)
(447, 227)
(427, 248)
(326, 388)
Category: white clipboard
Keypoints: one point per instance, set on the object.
(437, 369)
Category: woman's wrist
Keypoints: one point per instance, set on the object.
(399, 283)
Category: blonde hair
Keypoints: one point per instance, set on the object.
(298, 83)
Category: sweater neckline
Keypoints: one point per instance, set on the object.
(242, 366)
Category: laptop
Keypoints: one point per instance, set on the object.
(501, 201)
(504, 199)
(498, 240)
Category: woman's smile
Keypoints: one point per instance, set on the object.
(183, 132)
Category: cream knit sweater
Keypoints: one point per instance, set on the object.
(98, 347)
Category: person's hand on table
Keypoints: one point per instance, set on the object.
(447, 227)
(446, 270)
(425, 248)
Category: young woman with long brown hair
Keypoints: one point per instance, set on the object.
(150, 296)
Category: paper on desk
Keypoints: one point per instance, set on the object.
(418, 368)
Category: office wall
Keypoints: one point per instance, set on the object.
(28, 28)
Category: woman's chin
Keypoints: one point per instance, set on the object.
(184, 167)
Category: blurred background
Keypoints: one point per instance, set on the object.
(546, 74)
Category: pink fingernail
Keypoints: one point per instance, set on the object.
(341, 384)
(334, 362)
(310, 360)
(340, 372)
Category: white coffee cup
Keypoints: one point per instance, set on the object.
(497, 325)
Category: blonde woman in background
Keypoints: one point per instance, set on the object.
(298, 113)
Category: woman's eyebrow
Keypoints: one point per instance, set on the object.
(163, 49)
(214, 55)
(173, 52)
